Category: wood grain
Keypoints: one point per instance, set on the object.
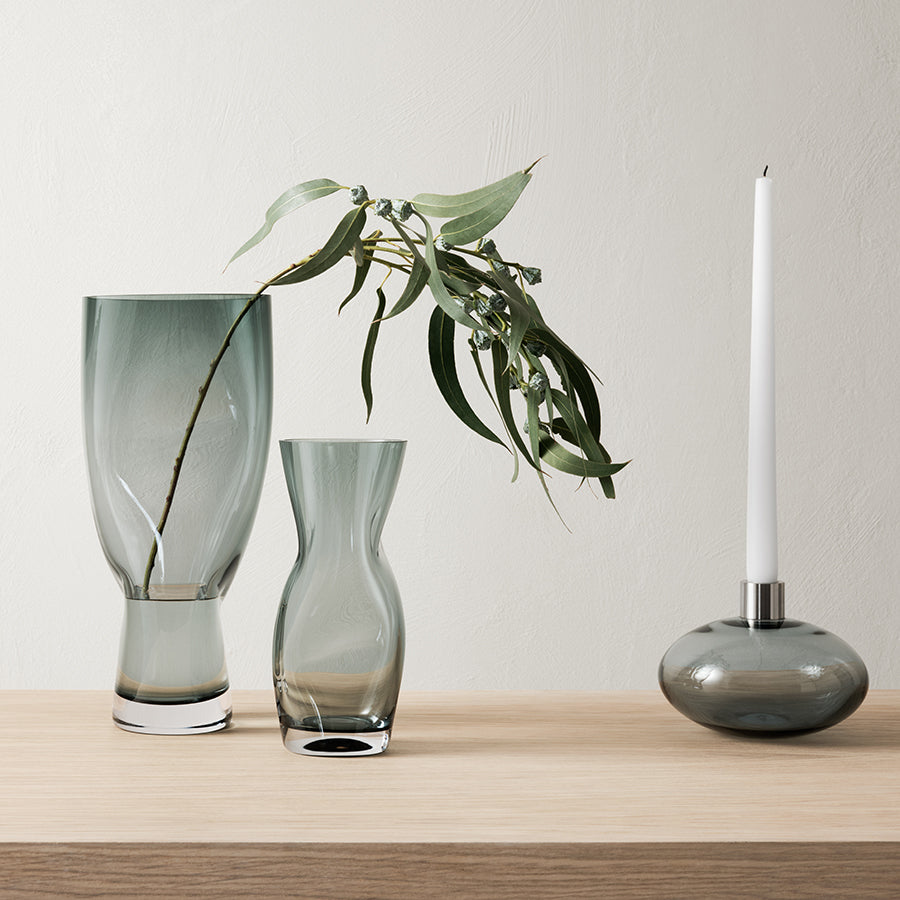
(481, 789)
(789, 871)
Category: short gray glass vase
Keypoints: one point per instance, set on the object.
(339, 634)
(145, 359)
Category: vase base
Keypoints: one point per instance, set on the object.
(199, 717)
(335, 743)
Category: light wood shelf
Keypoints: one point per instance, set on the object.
(481, 794)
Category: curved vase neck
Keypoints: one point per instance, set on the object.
(341, 491)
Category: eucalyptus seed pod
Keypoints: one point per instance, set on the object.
(482, 340)
(538, 383)
(401, 209)
(359, 195)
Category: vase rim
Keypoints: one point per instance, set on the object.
(288, 441)
(109, 297)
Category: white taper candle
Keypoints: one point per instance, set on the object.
(762, 530)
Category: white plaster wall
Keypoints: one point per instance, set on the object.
(142, 143)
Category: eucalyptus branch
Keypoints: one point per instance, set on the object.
(189, 430)
(508, 322)
(405, 254)
(388, 263)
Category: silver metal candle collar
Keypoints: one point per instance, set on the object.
(762, 602)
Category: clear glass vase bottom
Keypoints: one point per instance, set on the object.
(336, 737)
(172, 677)
(197, 717)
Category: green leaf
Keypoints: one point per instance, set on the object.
(443, 366)
(476, 224)
(459, 267)
(519, 323)
(435, 284)
(535, 363)
(359, 279)
(336, 247)
(572, 369)
(448, 206)
(476, 358)
(418, 278)
(369, 352)
(534, 436)
(457, 285)
(501, 388)
(559, 427)
(585, 391)
(290, 200)
(576, 431)
(557, 456)
(358, 252)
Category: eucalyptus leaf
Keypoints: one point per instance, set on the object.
(556, 455)
(358, 281)
(418, 278)
(358, 252)
(571, 368)
(534, 436)
(448, 206)
(476, 358)
(519, 324)
(577, 432)
(459, 267)
(501, 388)
(336, 247)
(535, 363)
(435, 284)
(369, 352)
(476, 224)
(559, 427)
(443, 366)
(457, 285)
(290, 200)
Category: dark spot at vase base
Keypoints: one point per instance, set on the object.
(337, 745)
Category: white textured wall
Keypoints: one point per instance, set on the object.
(143, 141)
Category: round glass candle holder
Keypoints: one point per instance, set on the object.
(763, 676)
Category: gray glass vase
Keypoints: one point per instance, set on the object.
(145, 359)
(339, 634)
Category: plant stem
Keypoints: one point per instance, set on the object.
(201, 396)
(390, 249)
(389, 264)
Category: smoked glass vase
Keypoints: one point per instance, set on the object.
(339, 634)
(145, 360)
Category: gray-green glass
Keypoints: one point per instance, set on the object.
(339, 634)
(767, 677)
(145, 358)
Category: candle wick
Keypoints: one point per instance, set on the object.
(766, 169)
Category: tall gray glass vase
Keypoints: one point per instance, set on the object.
(339, 633)
(145, 360)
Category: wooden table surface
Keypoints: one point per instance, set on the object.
(514, 794)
